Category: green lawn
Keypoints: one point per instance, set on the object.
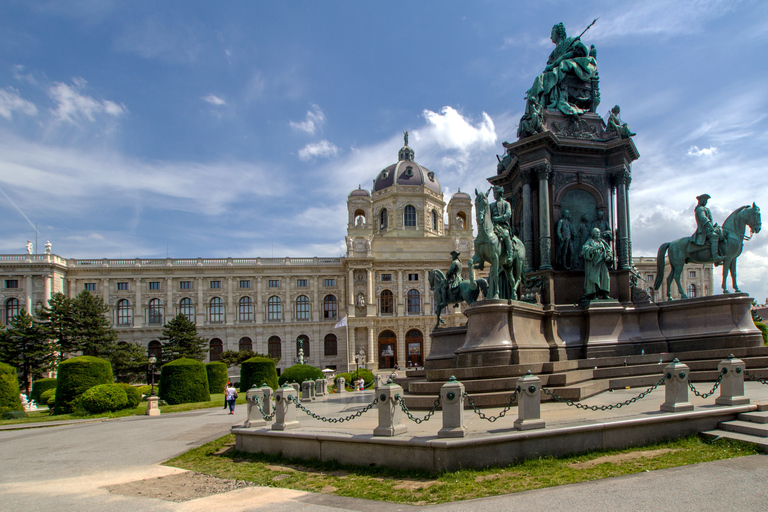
(219, 458)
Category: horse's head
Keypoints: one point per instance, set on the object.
(481, 205)
(435, 277)
(754, 221)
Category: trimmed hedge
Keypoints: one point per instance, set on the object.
(300, 373)
(217, 376)
(184, 381)
(764, 329)
(146, 390)
(258, 371)
(76, 376)
(47, 397)
(9, 389)
(349, 377)
(41, 385)
(133, 394)
(103, 398)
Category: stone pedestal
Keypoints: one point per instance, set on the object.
(732, 385)
(266, 404)
(341, 385)
(452, 401)
(676, 388)
(306, 390)
(528, 403)
(320, 387)
(254, 396)
(285, 411)
(390, 412)
(152, 408)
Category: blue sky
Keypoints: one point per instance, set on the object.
(140, 129)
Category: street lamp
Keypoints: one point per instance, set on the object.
(357, 371)
(152, 361)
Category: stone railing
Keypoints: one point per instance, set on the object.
(167, 262)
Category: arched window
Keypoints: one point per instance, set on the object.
(155, 312)
(434, 220)
(302, 342)
(414, 302)
(187, 309)
(330, 345)
(216, 311)
(383, 219)
(330, 309)
(274, 347)
(302, 307)
(245, 344)
(274, 309)
(691, 291)
(124, 316)
(386, 304)
(414, 344)
(409, 216)
(217, 347)
(11, 309)
(245, 310)
(155, 348)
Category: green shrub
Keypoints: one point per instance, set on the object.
(41, 385)
(47, 397)
(258, 371)
(300, 373)
(184, 381)
(133, 394)
(103, 398)
(13, 415)
(146, 390)
(764, 329)
(9, 389)
(76, 376)
(217, 376)
(349, 377)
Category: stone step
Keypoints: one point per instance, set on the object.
(509, 370)
(745, 427)
(716, 434)
(754, 417)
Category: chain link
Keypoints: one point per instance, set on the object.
(717, 385)
(490, 418)
(399, 399)
(263, 414)
(755, 377)
(619, 405)
(359, 413)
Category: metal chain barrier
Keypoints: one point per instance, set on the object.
(359, 413)
(755, 378)
(490, 418)
(632, 400)
(261, 410)
(717, 385)
(404, 407)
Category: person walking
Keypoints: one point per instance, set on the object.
(230, 395)
(229, 383)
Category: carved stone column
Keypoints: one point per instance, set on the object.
(138, 312)
(229, 314)
(200, 312)
(47, 288)
(28, 294)
(527, 219)
(543, 173)
(621, 179)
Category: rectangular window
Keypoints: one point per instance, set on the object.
(274, 283)
(330, 282)
(122, 286)
(154, 285)
(91, 287)
(301, 283)
(215, 284)
(413, 277)
(692, 274)
(246, 283)
(386, 277)
(11, 283)
(649, 277)
(185, 285)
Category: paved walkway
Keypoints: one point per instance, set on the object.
(66, 468)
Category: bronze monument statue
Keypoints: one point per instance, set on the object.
(616, 126)
(450, 288)
(597, 257)
(565, 237)
(707, 233)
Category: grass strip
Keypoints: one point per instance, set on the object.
(219, 458)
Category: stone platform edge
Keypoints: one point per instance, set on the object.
(477, 451)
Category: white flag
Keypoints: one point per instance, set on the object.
(342, 323)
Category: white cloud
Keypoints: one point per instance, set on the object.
(453, 131)
(214, 100)
(314, 120)
(322, 149)
(695, 151)
(72, 105)
(10, 101)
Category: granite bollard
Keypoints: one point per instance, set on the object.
(452, 400)
(390, 412)
(266, 404)
(320, 388)
(341, 385)
(285, 413)
(253, 418)
(732, 385)
(528, 403)
(676, 388)
(307, 387)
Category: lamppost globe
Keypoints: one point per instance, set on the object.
(152, 360)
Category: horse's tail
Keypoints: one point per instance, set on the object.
(660, 265)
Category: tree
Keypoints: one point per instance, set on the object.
(181, 340)
(25, 345)
(129, 362)
(93, 331)
(60, 319)
(236, 358)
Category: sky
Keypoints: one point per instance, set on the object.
(237, 129)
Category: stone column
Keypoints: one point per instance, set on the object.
(201, 309)
(621, 179)
(105, 295)
(427, 309)
(71, 288)
(351, 294)
(259, 313)
(229, 314)
(371, 298)
(400, 305)
(452, 402)
(732, 385)
(47, 288)
(543, 173)
(371, 346)
(169, 310)
(28, 293)
(317, 307)
(527, 219)
(138, 310)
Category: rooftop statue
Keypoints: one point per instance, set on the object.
(569, 58)
(710, 243)
(616, 126)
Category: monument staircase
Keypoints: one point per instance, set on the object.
(575, 379)
(751, 427)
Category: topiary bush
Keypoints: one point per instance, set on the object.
(9, 389)
(47, 397)
(41, 385)
(133, 394)
(258, 371)
(103, 398)
(764, 329)
(349, 377)
(217, 376)
(184, 381)
(146, 390)
(300, 373)
(76, 376)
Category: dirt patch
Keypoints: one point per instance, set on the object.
(280, 468)
(415, 485)
(495, 476)
(621, 457)
(178, 488)
(328, 489)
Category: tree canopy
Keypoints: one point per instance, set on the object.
(180, 339)
(25, 345)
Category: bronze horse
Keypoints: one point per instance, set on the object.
(468, 291)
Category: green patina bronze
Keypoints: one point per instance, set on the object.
(615, 125)
(710, 243)
(451, 289)
(597, 256)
